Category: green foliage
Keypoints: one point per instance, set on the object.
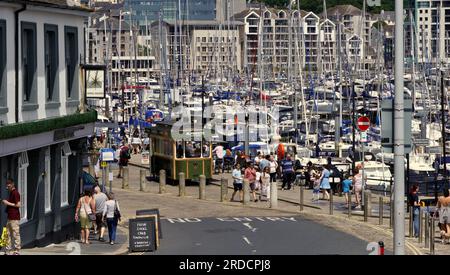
(46, 125)
(316, 6)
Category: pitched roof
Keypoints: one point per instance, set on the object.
(343, 10)
(59, 4)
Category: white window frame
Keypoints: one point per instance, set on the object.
(47, 182)
(65, 153)
(22, 183)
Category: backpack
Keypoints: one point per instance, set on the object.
(125, 153)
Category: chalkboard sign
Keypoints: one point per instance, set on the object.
(151, 212)
(143, 234)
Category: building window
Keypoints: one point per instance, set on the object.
(47, 181)
(51, 61)
(22, 186)
(65, 153)
(71, 41)
(3, 63)
(29, 62)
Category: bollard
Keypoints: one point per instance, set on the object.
(302, 188)
(381, 248)
(366, 206)
(246, 189)
(411, 223)
(181, 184)
(273, 195)
(432, 229)
(142, 181)
(162, 181)
(420, 225)
(380, 211)
(427, 229)
(125, 178)
(331, 202)
(223, 190)
(349, 205)
(202, 188)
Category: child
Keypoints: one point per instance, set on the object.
(316, 186)
(346, 185)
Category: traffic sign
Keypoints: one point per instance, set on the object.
(103, 164)
(363, 123)
(363, 136)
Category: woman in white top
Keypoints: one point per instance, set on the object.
(85, 206)
(111, 219)
(273, 169)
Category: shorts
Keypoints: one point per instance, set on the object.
(253, 186)
(237, 186)
(85, 223)
(99, 220)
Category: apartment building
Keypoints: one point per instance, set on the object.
(432, 27)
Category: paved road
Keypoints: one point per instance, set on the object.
(254, 236)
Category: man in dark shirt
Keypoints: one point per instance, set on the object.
(12, 208)
(287, 166)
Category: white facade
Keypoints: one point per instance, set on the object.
(40, 108)
(433, 31)
(215, 49)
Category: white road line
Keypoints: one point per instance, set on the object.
(250, 227)
(246, 240)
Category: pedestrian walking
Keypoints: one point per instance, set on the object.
(443, 212)
(346, 186)
(287, 166)
(315, 179)
(250, 175)
(219, 154)
(357, 184)
(100, 200)
(273, 166)
(413, 200)
(264, 162)
(85, 208)
(265, 184)
(13, 214)
(237, 182)
(112, 214)
(325, 183)
(124, 158)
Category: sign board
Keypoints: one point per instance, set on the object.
(103, 164)
(387, 125)
(363, 136)
(143, 234)
(363, 123)
(145, 158)
(152, 212)
(107, 154)
(94, 82)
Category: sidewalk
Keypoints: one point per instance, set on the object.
(76, 248)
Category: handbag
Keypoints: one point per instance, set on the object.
(117, 214)
(4, 240)
(91, 215)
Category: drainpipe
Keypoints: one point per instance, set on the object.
(17, 48)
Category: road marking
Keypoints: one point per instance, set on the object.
(250, 227)
(246, 240)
